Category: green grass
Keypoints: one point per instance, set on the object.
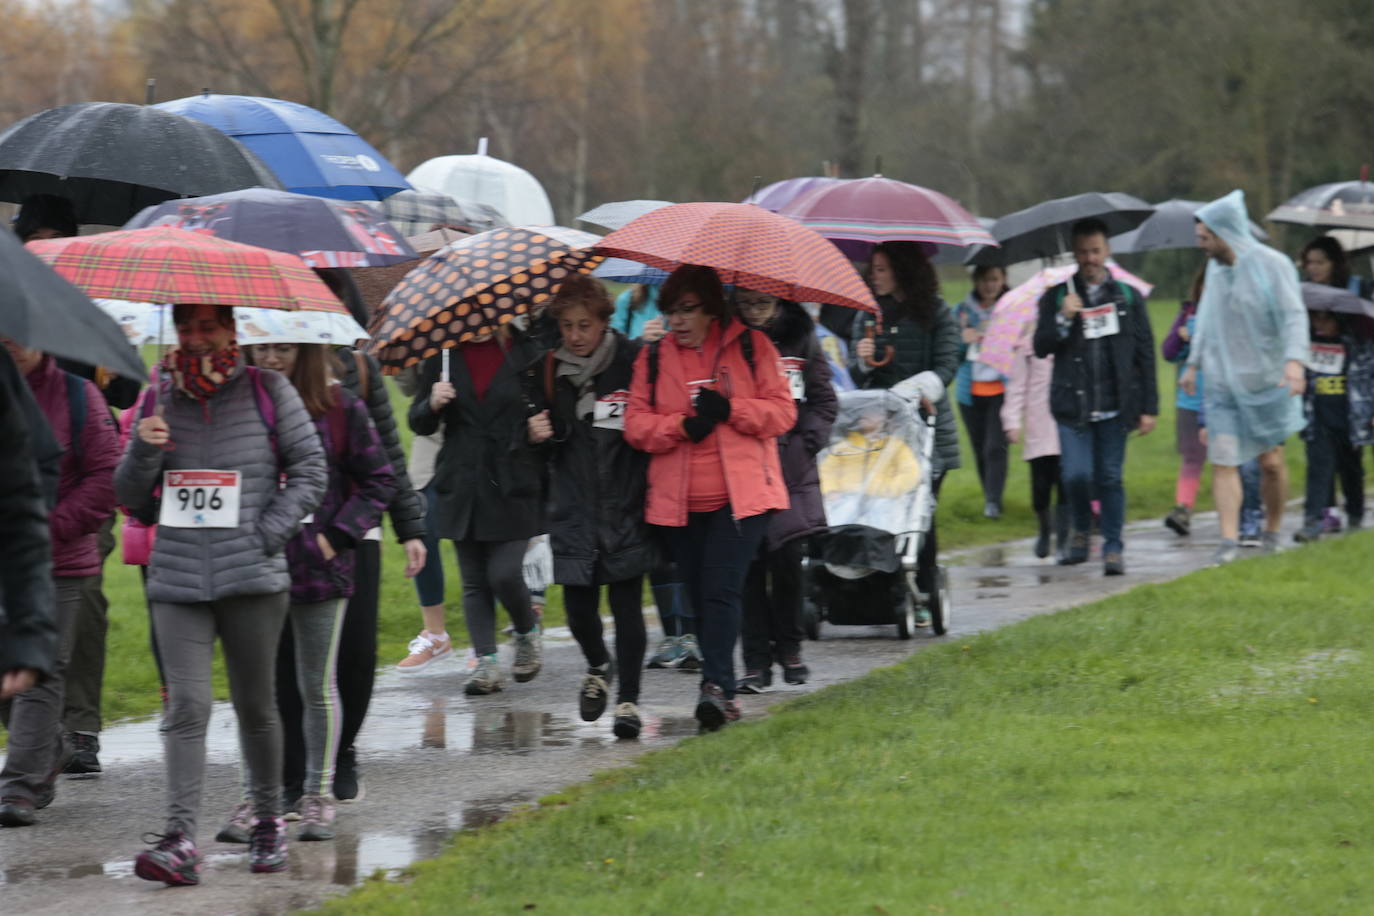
(1198, 746)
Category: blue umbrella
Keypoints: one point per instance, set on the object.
(621, 270)
(309, 151)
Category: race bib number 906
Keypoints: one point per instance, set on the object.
(200, 499)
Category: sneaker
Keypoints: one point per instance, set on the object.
(668, 655)
(85, 764)
(291, 803)
(712, 711)
(173, 861)
(1269, 542)
(691, 652)
(1331, 522)
(627, 722)
(1251, 538)
(755, 680)
(317, 818)
(529, 655)
(239, 827)
(1077, 551)
(1312, 531)
(794, 670)
(16, 812)
(992, 510)
(485, 678)
(267, 845)
(593, 695)
(348, 785)
(1225, 553)
(1179, 520)
(1113, 565)
(424, 649)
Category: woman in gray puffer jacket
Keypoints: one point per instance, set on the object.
(228, 463)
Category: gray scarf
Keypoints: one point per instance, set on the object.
(583, 370)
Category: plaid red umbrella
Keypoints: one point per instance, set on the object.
(471, 287)
(163, 264)
(748, 246)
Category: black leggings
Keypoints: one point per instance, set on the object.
(930, 547)
(983, 419)
(772, 630)
(1045, 482)
(582, 604)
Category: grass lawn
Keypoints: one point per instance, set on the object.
(1198, 746)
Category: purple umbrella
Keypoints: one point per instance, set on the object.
(781, 193)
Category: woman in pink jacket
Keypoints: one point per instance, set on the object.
(1027, 419)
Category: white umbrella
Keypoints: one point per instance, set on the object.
(516, 193)
(147, 322)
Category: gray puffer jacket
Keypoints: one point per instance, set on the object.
(228, 433)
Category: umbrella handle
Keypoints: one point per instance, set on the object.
(869, 333)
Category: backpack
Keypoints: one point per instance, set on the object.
(746, 344)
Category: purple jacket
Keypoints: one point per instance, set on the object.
(361, 486)
(85, 489)
(1175, 349)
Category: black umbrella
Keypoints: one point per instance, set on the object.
(1042, 231)
(1319, 297)
(1170, 226)
(1340, 205)
(112, 159)
(44, 312)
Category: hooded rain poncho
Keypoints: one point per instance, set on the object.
(1251, 321)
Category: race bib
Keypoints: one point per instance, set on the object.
(975, 350)
(694, 387)
(200, 499)
(609, 411)
(793, 367)
(1326, 358)
(1100, 321)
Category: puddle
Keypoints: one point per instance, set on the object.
(992, 582)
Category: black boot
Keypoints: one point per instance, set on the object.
(1061, 530)
(1042, 541)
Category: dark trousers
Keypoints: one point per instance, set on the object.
(582, 604)
(983, 419)
(86, 671)
(713, 552)
(492, 571)
(772, 630)
(355, 674)
(1090, 460)
(1329, 454)
(1044, 481)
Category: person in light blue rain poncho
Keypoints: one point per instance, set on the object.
(1250, 344)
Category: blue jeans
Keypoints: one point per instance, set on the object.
(1090, 459)
(429, 581)
(1252, 509)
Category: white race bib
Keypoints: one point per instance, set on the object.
(1326, 358)
(200, 499)
(609, 411)
(1100, 321)
(975, 350)
(794, 368)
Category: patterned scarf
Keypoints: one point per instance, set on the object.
(199, 377)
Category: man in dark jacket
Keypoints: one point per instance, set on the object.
(1103, 387)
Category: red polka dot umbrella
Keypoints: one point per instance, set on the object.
(469, 288)
(748, 246)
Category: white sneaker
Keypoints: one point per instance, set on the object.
(424, 649)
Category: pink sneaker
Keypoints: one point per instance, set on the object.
(424, 649)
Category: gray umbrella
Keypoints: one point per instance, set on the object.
(44, 312)
(1042, 231)
(112, 160)
(1340, 205)
(1170, 226)
(1319, 297)
(617, 213)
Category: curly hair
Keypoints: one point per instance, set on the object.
(1335, 253)
(918, 286)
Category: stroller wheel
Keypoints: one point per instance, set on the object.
(906, 619)
(940, 604)
(811, 619)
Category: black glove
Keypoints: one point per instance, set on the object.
(699, 427)
(713, 405)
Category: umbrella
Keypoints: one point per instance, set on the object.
(147, 322)
(1319, 297)
(781, 193)
(112, 160)
(856, 215)
(325, 233)
(309, 151)
(1340, 205)
(1019, 307)
(163, 264)
(44, 312)
(1042, 231)
(141, 322)
(484, 179)
(376, 283)
(619, 212)
(1170, 226)
(748, 246)
(419, 210)
(471, 287)
(621, 270)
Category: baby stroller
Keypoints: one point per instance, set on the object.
(876, 485)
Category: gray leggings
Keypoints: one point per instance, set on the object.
(249, 628)
(493, 570)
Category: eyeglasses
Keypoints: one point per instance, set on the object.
(682, 310)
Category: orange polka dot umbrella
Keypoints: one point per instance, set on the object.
(748, 246)
(470, 287)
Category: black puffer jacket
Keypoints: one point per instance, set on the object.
(597, 482)
(407, 509)
(28, 636)
(488, 478)
(794, 334)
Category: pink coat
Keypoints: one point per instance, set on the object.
(1026, 406)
